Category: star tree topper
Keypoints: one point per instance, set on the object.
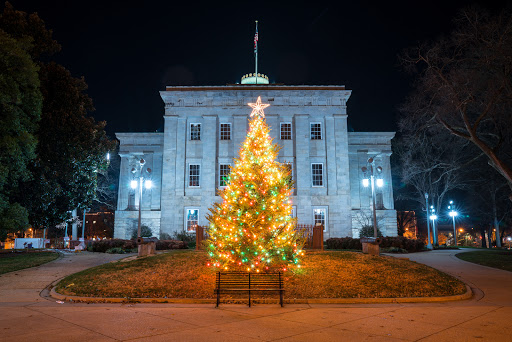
(257, 108)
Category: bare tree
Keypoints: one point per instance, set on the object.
(405, 220)
(464, 85)
(489, 199)
(108, 182)
(432, 165)
(429, 163)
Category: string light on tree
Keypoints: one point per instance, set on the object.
(252, 228)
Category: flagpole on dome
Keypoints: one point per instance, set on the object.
(256, 52)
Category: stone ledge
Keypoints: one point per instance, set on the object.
(467, 295)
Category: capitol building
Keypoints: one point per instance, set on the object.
(204, 129)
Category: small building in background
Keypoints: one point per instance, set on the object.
(99, 225)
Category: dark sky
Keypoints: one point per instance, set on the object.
(127, 52)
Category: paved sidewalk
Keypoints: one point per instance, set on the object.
(25, 316)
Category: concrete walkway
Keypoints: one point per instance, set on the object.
(26, 316)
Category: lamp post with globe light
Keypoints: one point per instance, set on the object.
(139, 173)
(453, 213)
(433, 217)
(371, 170)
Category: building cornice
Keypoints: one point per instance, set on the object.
(271, 87)
(239, 96)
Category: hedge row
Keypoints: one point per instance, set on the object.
(410, 245)
(343, 243)
(171, 244)
(116, 245)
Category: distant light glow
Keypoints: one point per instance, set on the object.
(366, 182)
(133, 184)
(380, 182)
(108, 155)
(148, 184)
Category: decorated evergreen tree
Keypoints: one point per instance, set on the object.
(252, 228)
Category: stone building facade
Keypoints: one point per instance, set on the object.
(204, 128)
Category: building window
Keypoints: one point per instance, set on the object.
(317, 174)
(286, 131)
(223, 174)
(194, 175)
(289, 175)
(225, 131)
(320, 217)
(316, 131)
(191, 219)
(131, 200)
(379, 201)
(294, 211)
(195, 131)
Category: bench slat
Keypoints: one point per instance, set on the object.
(250, 282)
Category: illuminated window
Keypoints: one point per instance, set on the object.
(316, 131)
(225, 131)
(191, 219)
(286, 131)
(320, 216)
(194, 175)
(223, 174)
(195, 131)
(317, 174)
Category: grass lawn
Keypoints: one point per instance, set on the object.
(14, 261)
(329, 274)
(500, 258)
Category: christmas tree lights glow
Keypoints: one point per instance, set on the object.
(252, 228)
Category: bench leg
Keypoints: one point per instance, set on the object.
(218, 299)
(281, 297)
(249, 298)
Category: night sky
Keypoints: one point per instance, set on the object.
(127, 52)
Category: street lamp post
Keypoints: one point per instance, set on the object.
(429, 244)
(453, 213)
(380, 182)
(139, 173)
(433, 217)
(83, 223)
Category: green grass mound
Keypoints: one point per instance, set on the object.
(500, 258)
(331, 274)
(15, 261)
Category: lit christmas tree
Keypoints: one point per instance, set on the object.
(252, 229)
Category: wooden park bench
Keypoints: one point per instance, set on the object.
(249, 282)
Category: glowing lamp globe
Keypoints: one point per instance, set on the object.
(133, 184)
(148, 184)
